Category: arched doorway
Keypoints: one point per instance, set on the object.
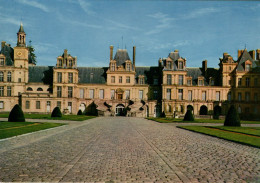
(156, 111)
(120, 110)
(203, 110)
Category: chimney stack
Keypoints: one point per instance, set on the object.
(252, 54)
(134, 56)
(111, 52)
(239, 53)
(258, 54)
(65, 53)
(3, 44)
(204, 65)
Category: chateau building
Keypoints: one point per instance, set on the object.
(171, 87)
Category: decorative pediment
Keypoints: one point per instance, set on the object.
(119, 90)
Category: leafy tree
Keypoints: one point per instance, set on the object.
(16, 114)
(188, 116)
(32, 58)
(56, 112)
(232, 118)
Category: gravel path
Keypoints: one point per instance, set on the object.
(120, 149)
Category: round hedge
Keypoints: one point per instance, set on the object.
(16, 114)
(188, 116)
(232, 118)
(56, 112)
(79, 112)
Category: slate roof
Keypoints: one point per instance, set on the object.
(121, 56)
(8, 51)
(39, 74)
(95, 75)
(242, 59)
(194, 73)
(174, 55)
(21, 28)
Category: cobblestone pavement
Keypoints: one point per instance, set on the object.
(128, 150)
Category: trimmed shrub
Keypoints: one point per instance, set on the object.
(16, 114)
(232, 118)
(162, 115)
(91, 110)
(216, 112)
(79, 112)
(188, 116)
(56, 112)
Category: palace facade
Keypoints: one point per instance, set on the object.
(171, 87)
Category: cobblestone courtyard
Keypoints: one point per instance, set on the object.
(125, 150)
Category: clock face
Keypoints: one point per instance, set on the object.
(19, 53)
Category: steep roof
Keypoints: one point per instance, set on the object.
(242, 59)
(8, 52)
(21, 28)
(174, 55)
(121, 56)
(95, 75)
(39, 74)
(194, 73)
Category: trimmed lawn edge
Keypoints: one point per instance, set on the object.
(213, 127)
(243, 143)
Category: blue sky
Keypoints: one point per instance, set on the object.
(198, 29)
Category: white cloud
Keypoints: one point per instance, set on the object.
(164, 20)
(34, 4)
(86, 6)
(9, 19)
(200, 12)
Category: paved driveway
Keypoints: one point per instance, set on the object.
(125, 150)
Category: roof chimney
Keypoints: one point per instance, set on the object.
(252, 54)
(3, 44)
(258, 54)
(204, 65)
(134, 56)
(239, 53)
(111, 52)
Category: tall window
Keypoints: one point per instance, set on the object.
(59, 77)
(59, 91)
(141, 80)
(2, 61)
(128, 67)
(27, 104)
(38, 104)
(60, 63)
(168, 94)
(247, 96)
(247, 82)
(218, 96)
(239, 81)
(113, 66)
(120, 79)
(112, 93)
(248, 66)
(9, 91)
(70, 77)
(155, 94)
(204, 96)
(200, 82)
(1, 76)
(169, 79)
(101, 94)
(239, 97)
(81, 93)
(229, 96)
(255, 97)
(180, 79)
(70, 63)
(256, 82)
(190, 95)
(59, 104)
(70, 92)
(180, 94)
(169, 65)
(91, 93)
(113, 79)
(141, 94)
(189, 82)
(127, 79)
(127, 94)
(1, 91)
(9, 76)
(1, 104)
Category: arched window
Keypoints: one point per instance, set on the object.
(29, 89)
(39, 89)
(1, 76)
(9, 76)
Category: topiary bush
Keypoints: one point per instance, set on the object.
(79, 112)
(188, 116)
(16, 114)
(232, 118)
(162, 115)
(91, 110)
(56, 112)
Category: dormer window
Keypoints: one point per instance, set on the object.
(180, 65)
(70, 63)
(2, 61)
(141, 80)
(200, 82)
(189, 83)
(248, 67)
(60, 63)
(113, 66)
(128, 67)
(169, 65)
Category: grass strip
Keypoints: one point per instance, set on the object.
(244, 130)
(227, 135)
(10, 129)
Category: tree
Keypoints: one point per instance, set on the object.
(232, 118)
(188, 116)
(32, 56)
(56, 112)
(79, 112)
(16, 114)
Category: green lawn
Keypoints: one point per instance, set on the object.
(243, 135)
(174, 120)
(48, 116)
(10, 129)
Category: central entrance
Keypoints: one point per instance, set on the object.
(120, 110)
